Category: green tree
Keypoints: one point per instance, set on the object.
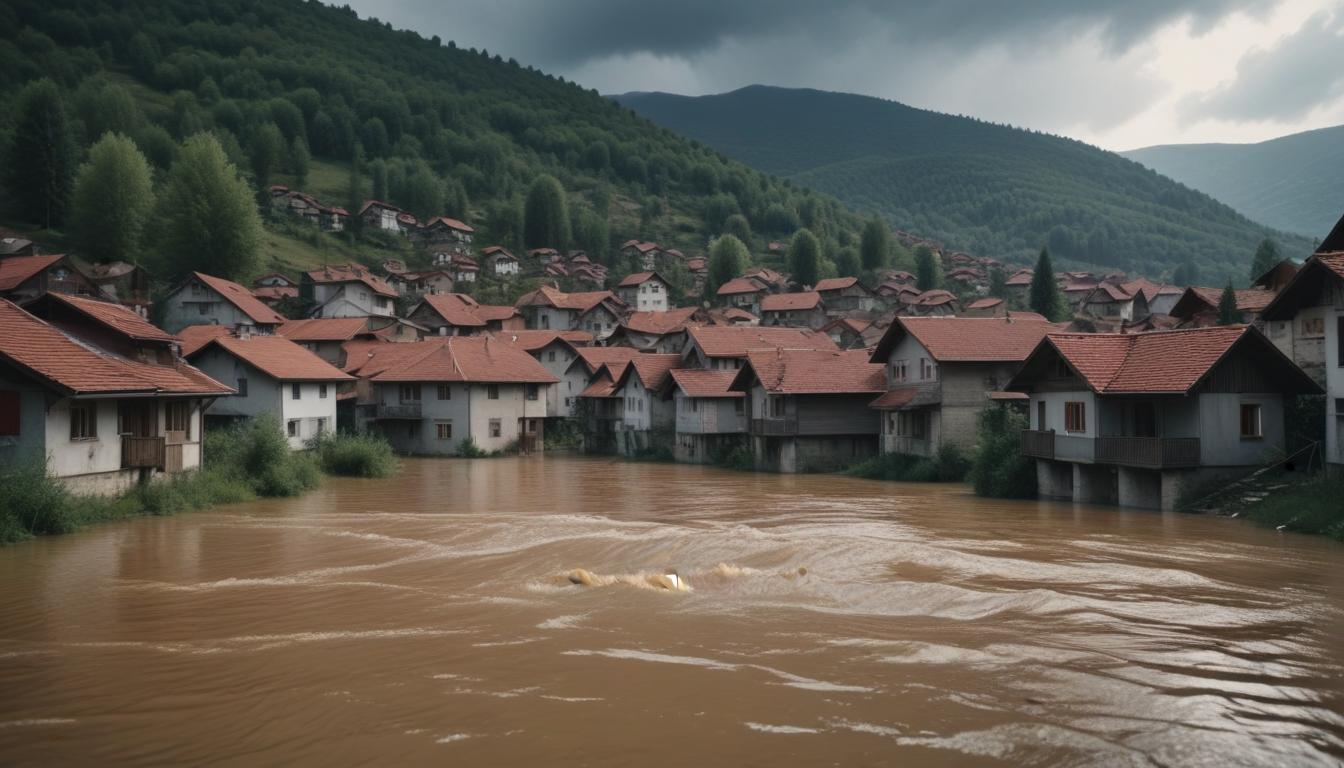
(1266, 256)
(927, 274)
(112, 200)
(504, 223)
(805, 257)
(998, 283)
(1044, 295)
(39, 166)
(421, 193)
(738, 226)
(999, 469)
(105, 107)
(299, 159)
(545, 215)
(591, 233)
(848, 263)
(354, 190)
(728, 258)
(265, 149)
(1186, 274)
(1227, 307)
(378, 173)
(875, 244)
(207, 219)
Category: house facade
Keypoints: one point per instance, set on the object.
(725, 347)
(846, 294)
(710, 417)
(632, 395)
(499, 262)
(24, 278)
(349, 290)
(644, 292)
(797, 310)
(204, 299)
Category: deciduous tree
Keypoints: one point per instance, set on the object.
(728, 258)
(805, 257)
(546, 215)
(39, 166)
(875, 244)
(112, 200)
(207, 219)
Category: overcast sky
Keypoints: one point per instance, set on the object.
(1120, 74)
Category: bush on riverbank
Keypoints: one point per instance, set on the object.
(256, 453)
(1310, 505)
(999, 469)
(351, 455)
(948, 466)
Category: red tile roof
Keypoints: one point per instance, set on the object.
(449, 223)
(736, 341)
(639, 278)
(1201, 299)
(552, 297)
(606, 380)
(193, 337)
(277, 357)
(115, 316)
(812, 372)
(786, 302)
(896, 398)
(17, 270)
(352, 273)
(241, 298)
(324, 329)
(499, 251)
(39, 348)
(984, 303)
(454, 308)
(935, 297)
(739, 285)
(1111, 291)
(467, 358)
(1150, 289)
(533, 340)
(595, 357)
(703, 382)
(652, 370)
(836, 283)
(967, 339)
(275, 292)
(659, 323)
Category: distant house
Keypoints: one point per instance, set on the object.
(644, 292)
(307, 207)
(846, 332)
(465, 269)
(1160, 297)
(1278, 276)
(24, 278)
(1019, 283)
(556, 351)
(1110, 301)
(809, 408)
(935, 302)
(348, 290)
(986, 307)
(274, 287)
(387, 217)
(799, 310)
(13, 245)
(430, 396)
(744, 293)
(204, 299)
(726, 347)
(661, 331)
(499, 262)
(549, 308)
(1198, 307)
(123, 282)
(272, 376)
(98, 393)
(457, 314)
(709, 416)
(846, 294)
(445, 237)
(646, 417)
(326, 337)
(545, 255)
(1133, 419)
(645, 253)
(579, 373)
(940, 373)
(431, 283)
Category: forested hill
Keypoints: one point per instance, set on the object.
(985, 188)
(453, 131)
(1294, 183)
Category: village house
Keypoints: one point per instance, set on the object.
(847, 332)
(97, 393)
(556, 351)
(1309, 313)
(123, 282)
(1116, 303)
(710, 417)
(935, 302)
(349, 290)
(580, 373)
(1278, 276)
(326, 337)
(644, 292)
(431, 283)
(1019, 283)
(809, 408)
(499, 262)
(550, 308)
(203, 299)
(987, 307)
(386, 217)
(457, 314)
(799, 310)
(445, 238)
(429, 397)
(274, 287)
(24, 278)
(942, 371)
(645, 253)
(846, 294)
(1132, 419)
(646, 417)
(307, 208)
(720, 347)
(661, 331)
(1160, 297)
(271, 376)
(744, 293)
(1198, 306)
(13, 245)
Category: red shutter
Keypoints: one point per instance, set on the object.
(9, 412)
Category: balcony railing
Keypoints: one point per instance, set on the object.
(1038, 444)
(1149, 452)
(397, 411)
(774, 427)
(142, 452)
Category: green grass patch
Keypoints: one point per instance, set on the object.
(351, 455)
(1310, 505)
(948, 466)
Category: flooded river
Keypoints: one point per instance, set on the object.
(435, 618)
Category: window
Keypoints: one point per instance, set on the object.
(294, 390)
(322, 391)
(777, 406)
(242, 387)
(292, 427)
(1313, 326)
(546, 321)
(321, 426)
(409, 393)
(496, 427)
(177, 418)
(927, 369)
(738, 406)
(443, 430)
(532, 426)
(532, 391)
(695, 405)
(445, 392)
(83, 421)
(912, 424)
(1062, 369)
(899, 370)
(197, 289)
(550, 356)
(492, 391)
(9, 412)
(1145, 420)
(1250, 421)
(1075, 417)
(1040, 415)
(204, 309)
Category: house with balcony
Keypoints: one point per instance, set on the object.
(379, 215)
(808, 409)
(631, 414)
(499, 262)
(1133, 418)
(97, 393)
(271, 376)
(710, 417)
(644, 292)
(445, 237)
(24, 278)
(428, 397)
(940, 372)
(643, 253)
(797, 310)
(203, 299)
(348, 290)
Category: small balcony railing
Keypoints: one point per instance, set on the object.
(1038, 444)
(397, 411)
(774, 427)
(1149, 452)
(142, 452)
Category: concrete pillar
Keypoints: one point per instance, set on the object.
(1093, 484)
(1141, 488)
(1054, 479)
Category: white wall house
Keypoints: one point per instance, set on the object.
(644, 292)
(348, 291)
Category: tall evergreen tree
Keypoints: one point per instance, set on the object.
(266, 150)
(805, 258)
(39, 166)
(1266, 256)
(354, 190)
(545, 215)
(299, 159)
(998, 283)
(926, 268)
(1227, 307)
(847, 262)
(728, 258)
(207, 218)
(1045, 298)
(112, 200)
(875, 244)
(378, 174)
(738, 226)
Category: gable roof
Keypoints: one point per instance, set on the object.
(117, 317)
(497, 252)
(606, 380)
(639, 278)
(704, 382)
(193, 337)
(449, 223)
(277, 357)
(594, 358)
(1203, 299)
(836, 284)
(547, 296)
(787, 302)
(241, 298)
(740, 285)
(967, 339)
(736, 341)
(653, 370)
(1318, 270)
(45, 352)
(17, 270)
(659, 323)
(534, 340)
(1334, 241)
(351, 273)
(812, 372)
(467, 359)
(1150, 289)
(454, 308)
(985, 303)
(324, 328)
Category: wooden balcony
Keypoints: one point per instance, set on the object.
(1037, 444)
(774, 427)
(142, 452)
(1149, 452)
(397, 411)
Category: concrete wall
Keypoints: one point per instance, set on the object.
(266, 395)
(649, 296)
(811, 454)
(700, 449)
(32, 438)
(350, 300)
(573, 381)
(557, 358)
(710, 415)
(1220, 443)
(468, 409)
(1054, 411)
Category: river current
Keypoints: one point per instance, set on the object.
(570, 611)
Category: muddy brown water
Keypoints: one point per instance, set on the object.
(432, 619)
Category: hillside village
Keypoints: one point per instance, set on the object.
(1142, 390)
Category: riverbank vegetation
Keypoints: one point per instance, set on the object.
(240, 463)
(999, 469)
(1310, 505)
(949, 465)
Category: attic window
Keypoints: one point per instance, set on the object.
(1062, 370)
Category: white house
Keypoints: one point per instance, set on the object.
(203, 299)
(499, 261)
(644, 292)
(348, 290)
